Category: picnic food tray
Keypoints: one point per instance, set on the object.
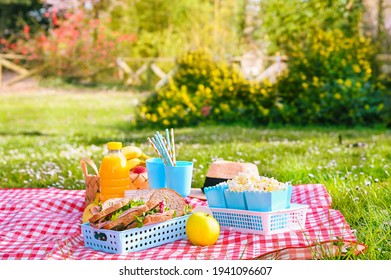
(137, 239)
(263, 223)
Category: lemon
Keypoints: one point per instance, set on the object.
(87, 213)
(132, 163)
(131, 152)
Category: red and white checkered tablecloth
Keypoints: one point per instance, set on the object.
(45, 224)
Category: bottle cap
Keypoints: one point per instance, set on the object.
(114, 145)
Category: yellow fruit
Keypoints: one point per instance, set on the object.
(97, 198)
(144, 156)
(202, 229)
(132, 152)
(132, 163)
(87, 213)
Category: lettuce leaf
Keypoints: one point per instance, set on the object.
(131, 204)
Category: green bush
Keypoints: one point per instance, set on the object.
(330, 81)
(285, 24)
(207, 91)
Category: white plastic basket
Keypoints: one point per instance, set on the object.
(137, 239)
(263, 223)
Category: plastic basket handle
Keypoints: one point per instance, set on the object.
(83, 164)
(101, 236)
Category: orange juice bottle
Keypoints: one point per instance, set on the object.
(113, 173)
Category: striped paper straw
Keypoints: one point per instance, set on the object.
(168, 141)
(167, 148)
(153, 144)
(162, 149)
(159, 150)
(173, 147)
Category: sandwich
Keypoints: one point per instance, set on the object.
(126, 213)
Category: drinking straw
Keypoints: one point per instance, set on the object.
(163, 143)
(173, 147)
(167, 148)
(168, 141)
(162, 148)
(154, 146)
(156, 143)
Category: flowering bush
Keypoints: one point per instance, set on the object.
(206, 91)
(330, 81)
(79, 48)
(76, 48)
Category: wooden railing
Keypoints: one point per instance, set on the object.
(260, 67)
(7, 61)
(130, 71)
(132, 76)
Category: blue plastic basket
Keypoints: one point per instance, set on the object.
(264, 223)
(133, 240)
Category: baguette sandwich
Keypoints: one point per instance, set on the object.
(162, 205)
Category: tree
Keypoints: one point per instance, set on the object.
(14, 13)
(287, 23)
(165, 28)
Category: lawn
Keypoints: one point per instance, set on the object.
(45, 133)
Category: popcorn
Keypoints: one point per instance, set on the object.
(246, 182)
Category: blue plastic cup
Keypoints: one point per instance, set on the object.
(156, 173)
(179, 177)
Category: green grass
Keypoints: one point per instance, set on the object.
(43, 136)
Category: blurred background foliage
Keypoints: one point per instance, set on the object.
(287, 24)
(331, 56)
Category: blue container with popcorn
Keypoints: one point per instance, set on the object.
(259, 193)
(266, 201)
(235, 199)
(215, 195)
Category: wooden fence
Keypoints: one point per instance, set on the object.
(253, 66)
(131, 74)
(130, 70)
(8, 61)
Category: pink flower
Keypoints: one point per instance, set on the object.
(205, 111)
(26, 30)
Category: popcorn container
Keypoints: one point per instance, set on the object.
(268, 201)
(215, 195)
(235, 200)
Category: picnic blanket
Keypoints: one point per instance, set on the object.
(45, 224)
